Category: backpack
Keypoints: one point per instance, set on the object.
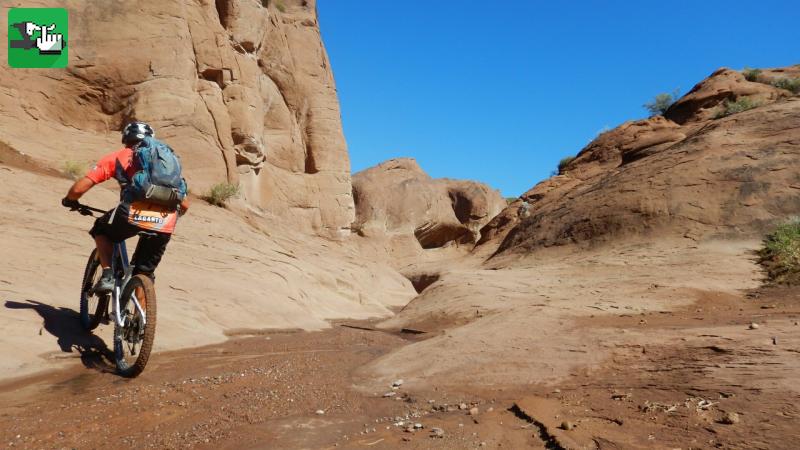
(158, 176)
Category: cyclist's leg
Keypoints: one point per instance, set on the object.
(105, 234)
(149, 250)
(109, 228)
(148, 253)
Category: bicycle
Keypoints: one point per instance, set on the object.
(133, 306)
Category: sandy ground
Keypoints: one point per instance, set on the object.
(513, 321)
(719, 385)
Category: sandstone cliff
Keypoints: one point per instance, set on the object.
(242, 89)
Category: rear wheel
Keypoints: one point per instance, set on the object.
(93, 308)
(134, 339)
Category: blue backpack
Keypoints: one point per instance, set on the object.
(158, 178)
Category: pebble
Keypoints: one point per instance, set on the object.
(320, 412)
(567, 425)
(437, 432)
(409, 429)
(462, 406)
(397, 383)
(417, 426)
(730, 418)
(474, 411)
(390, 394)
(753, 326)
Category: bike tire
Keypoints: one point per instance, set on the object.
(127, 368)
(91, 319)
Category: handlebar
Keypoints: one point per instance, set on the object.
(86, 210)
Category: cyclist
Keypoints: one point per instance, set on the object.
(128, 218)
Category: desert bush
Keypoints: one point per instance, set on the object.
(751, 74)
(661, 103)
(790, 84)
(74, 169)
(781, 252)
(562, 165)
(220, 193)
(510, 200)
(737, 106)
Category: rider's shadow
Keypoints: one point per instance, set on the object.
(65, 325)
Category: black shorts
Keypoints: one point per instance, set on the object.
(150, 248)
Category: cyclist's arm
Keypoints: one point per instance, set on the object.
(79, 188)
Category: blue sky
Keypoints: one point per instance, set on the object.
(499, 92)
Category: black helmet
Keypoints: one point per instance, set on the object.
(134, 132)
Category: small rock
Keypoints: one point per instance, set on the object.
(483, 444)
(774, 340)
(418, 426)
(474, 411)
(556, 391)
(462, 406)
(437, 432)
(730, 418)
(490, 409)
(409, 429)
(567, 425)
(320, 412)
(390, 394)
(397, 383)
(753, 326)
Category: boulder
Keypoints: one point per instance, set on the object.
(397, 197)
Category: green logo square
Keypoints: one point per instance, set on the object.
(37, 37)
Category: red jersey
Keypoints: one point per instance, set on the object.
(144, 215)
(106, 167)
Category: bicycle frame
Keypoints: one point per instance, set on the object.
(120, 265)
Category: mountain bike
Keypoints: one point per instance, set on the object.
(132, 301)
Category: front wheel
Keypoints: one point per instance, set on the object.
(93, 307)
(133, 340)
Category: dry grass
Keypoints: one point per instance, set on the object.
(74, 169)
(220, 193)
(781, 253)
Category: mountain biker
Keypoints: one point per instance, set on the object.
(129, 217)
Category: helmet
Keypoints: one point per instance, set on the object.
(134, 132)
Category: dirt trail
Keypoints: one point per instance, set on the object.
(264, 391)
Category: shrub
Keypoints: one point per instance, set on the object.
(510, 200)
(790, 84)
(661, 103)
(781, 252)
(733, 107)
(751, 74)
(220, 193)
(74, 169)
(562, 165)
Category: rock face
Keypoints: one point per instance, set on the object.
(397, 198)
(686, 174)
(702, 102)
(241, 88)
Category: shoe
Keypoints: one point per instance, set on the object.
(106, 282)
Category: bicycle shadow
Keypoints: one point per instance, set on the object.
(65, 325)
